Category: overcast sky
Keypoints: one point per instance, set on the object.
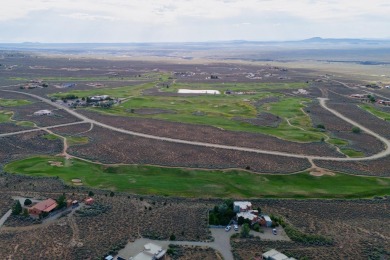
(190, 20)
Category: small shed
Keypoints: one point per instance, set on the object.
(89, 201)
(268, 220)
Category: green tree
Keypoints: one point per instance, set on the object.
(172, 237)
(356, 130)
(245, 230)
(17, 208)
(90, 193)
(61, 201)
(112, 194)
(25, 212)
(27, 202)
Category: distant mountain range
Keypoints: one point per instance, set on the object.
(314, 40)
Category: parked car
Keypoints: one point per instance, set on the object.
(274, 231)
(228, 228)
(235, 227)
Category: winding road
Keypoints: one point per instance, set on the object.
(322, 101)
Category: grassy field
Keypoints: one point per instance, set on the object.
(13, 102)
(201, 183)
(5, 116)
(352, 153)
(217, 110)
(379, 113)
(75, 140)
(119, 92)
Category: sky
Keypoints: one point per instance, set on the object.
(64, 21)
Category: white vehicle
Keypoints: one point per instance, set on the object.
(235, 227)
(274, 231)
(228, 228)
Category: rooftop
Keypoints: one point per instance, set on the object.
(46, 205)
(242, 204)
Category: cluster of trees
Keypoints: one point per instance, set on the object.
(222, 214)
(17, 208)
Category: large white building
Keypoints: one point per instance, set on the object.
(242, 206)
(42, 112)
(275, 255)
(150, 252)
(198, 91)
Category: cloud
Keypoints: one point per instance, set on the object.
(180, 20)
(89, 17)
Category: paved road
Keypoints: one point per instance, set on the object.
(220, 146)
(5, 217)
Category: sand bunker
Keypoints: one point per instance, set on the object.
(77, 182)
(55, 163)
(320, 172)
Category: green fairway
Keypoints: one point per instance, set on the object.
(5, 116)
(75, 140)
(228, 112)
(352, 153)
(377, 112)
(120, 92)
(13, 102)
(203, 183)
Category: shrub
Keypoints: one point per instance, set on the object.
(27, 202)
(356, 130)
(17, 208)
(172, 237)
(245, 230)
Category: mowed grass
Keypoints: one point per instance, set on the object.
(119, 92)
(13, 102)
(203, 183)
(352, 153)
(5, 116)
(378, 113)
(220, 111)
(217, 110)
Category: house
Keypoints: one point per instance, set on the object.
(89, 201)
(301, 91)
(242, 206)
(359, 96)
(252, 215)
(151, 252)
(384, 102)
(99, 98)
(42, 112)
(275, 255)
(68, 85)
(267, 220)
(45, 206)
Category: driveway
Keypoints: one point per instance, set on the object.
(268, 235)
(221, 244)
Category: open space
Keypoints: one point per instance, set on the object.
(201, 183)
